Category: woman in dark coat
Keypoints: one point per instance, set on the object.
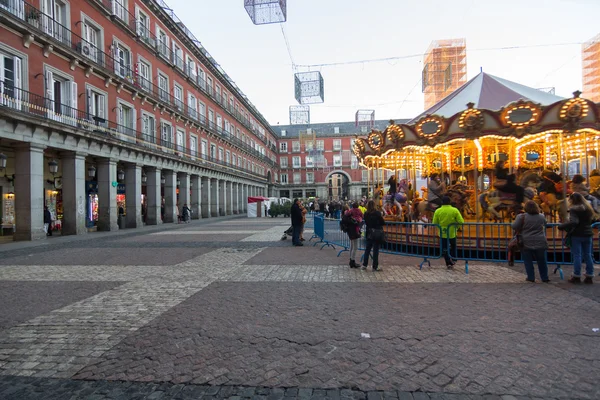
(374, 221)
(579, 229)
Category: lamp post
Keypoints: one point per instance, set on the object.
(162, 180)
(144, 177)
(3, 160)
(120, 175)
(91, 171)
(53, 166)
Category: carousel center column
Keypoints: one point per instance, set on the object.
(154, 199)
(73, 193)
(133, 196)
(29, 191)
(195, 196)
(107, 195)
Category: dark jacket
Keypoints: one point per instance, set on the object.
(374, 220)
(579, 223)
(47, 217)
(296, 215)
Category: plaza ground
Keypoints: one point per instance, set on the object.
(221, 308)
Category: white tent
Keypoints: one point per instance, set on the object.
(256, 206)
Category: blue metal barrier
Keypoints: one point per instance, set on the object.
(319, 228)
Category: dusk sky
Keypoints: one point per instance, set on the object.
(334, 31)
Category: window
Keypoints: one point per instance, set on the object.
(191, 70)
(284, 179)
(337, 144)
(148, 128)
(296, 162)
(336, 129)
(309, 162)
(163, 87)
(96, 105)
(233, 160)
(218, 93)
(354, 162)
(309, 145)
(283, 162)
(295, 147)
(201, 78)
(142, 25)
(177, 56)
(231, 104)
(320, 145)
(144, 77)
(61, 92)
(220, 154)
(337, 160)
(310, 177)
(14, 7)
(193, 145)
(55, 19)
(126, 118)
(192, 106)
(365, 175)
(213, 151)
(219, 123)
(178, 96)
(203, 148)
(163, 43)
(227, 157)
(297, 177)
(10, 80)
(209, 83)
(122, 57)
(227, 127)
(92, 36)
(202, 111)
(180, 138)
(211, 118)
(119, 8)
(166, 134)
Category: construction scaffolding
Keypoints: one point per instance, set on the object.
(299, 115)
(445, 69)
(590, 55)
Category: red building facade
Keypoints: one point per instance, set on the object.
(122, 86)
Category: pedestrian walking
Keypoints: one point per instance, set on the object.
(178, 214)
(445, 216)
(375, 235)
(185, 213)
(296, 215)
(350, 223)
(47, 221)
(579, 237)
(531, 225)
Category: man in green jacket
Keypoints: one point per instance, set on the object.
(445, 216)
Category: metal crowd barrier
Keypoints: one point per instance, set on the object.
(474, 242)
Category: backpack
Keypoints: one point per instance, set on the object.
(346, 223)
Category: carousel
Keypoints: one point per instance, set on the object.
(541, 147)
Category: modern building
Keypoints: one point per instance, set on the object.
(590, 56)
(111, 111)
(444, 69)
(316, 160)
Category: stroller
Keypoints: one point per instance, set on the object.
(287, 232)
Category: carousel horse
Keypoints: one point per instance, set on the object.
(551, 196)
(459, 197)
(494, 203)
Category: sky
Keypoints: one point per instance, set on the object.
(341, 31)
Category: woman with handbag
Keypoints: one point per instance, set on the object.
(579, 231)
(375, 235)
(531, 227)
(352, 220)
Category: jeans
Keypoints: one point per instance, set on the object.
(375, 246)
(449, 253)
(581, 248)
(353, 248)
(296, 234)
(540, 256)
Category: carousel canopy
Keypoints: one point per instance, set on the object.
(488, 92)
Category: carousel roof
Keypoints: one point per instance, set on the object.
(488, 92)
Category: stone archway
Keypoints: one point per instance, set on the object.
(338, 185)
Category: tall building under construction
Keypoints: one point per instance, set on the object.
(590, 56)
(444, 69)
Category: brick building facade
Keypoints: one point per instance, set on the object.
(114, 104)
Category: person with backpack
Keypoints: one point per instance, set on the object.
(350, 223)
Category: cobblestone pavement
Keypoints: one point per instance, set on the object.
(225, 309)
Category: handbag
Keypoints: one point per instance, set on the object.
(377, 235)
(516, 243)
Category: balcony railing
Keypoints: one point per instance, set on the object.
(32, 104)
(55, 31)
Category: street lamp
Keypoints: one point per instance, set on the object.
(53, 166)
(91, 171)
(120, 175)
(178, 182)
(3, 159)
(144, 177)
(162, 180)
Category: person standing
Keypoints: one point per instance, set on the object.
(351, 221)
(296, 215)
(445, 216)
(435, 189)
(185, 213)
(47, 221)
(532, 226)
(393, 185)
(304, 211)
(579, 229)
(375, 222)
